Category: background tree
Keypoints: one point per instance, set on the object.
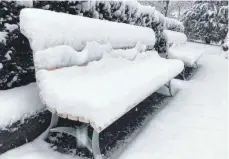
(207, 21)
(177, 8)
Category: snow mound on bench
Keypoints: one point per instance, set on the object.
(63, 56)
(66, 56)
(129, 54)
(17, 103)
(174, 37)
(46, 29)
(104, 90)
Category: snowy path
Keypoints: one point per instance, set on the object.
(192, 126)
(194, 123)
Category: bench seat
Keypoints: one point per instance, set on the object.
(189, 57)
(105, 90)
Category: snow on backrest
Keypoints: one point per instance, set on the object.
(173, 37)
(46, 29)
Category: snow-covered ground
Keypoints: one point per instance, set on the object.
(15, 104)
(192, 125)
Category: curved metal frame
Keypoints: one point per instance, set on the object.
(91, 144)
(185, 66)
(183, 73)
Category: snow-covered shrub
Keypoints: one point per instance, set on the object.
(15, 52)
(207, 21)
(174, 25)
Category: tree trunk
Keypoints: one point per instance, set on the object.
(207, 41)
(166, 8)
(179, 12)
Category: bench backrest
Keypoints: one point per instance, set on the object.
(174, 38)
(46, 29)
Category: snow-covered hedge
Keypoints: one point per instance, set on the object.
(16, 61)
(16, 66)
(174, 25)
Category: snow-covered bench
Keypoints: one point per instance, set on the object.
(176, 49)
(95, 71)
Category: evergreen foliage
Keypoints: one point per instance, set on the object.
(207, 21)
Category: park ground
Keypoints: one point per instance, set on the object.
(194, 123)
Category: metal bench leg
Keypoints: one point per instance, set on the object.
(197, 66)
(95, 145)
(183, 73)
(82, 138)
(54, 120)
(169, 88)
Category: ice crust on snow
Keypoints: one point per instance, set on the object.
(37, 26)
(104, 90)
(17, 103)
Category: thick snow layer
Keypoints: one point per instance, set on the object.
(189, 57)
(3, 36)
(173, 37)
(104, 90)
(18, 103)
(129, 54)
(195, 122)
(63, 56)
(47, 29)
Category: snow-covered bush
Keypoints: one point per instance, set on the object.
(15, 52)
(16, 62)
(207, 21)
(174, 25)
